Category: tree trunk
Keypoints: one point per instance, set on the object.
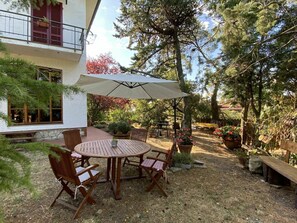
(243, 124)
(214, 104)
(187, 120)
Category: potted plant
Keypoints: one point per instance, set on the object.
(230, 135)
(184, 140)
(243, 157)
(43, 22)
(120, 129)
(112, 127)
(183, 160)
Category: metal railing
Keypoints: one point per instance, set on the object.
(29, 29)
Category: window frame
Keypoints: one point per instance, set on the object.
(26, 110)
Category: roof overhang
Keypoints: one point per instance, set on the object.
(91, 10)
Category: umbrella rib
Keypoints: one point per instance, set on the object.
(146, 92)
(119, 84)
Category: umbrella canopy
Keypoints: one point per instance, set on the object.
(129, 86)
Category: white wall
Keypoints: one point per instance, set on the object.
(74, 18)
(74, 107)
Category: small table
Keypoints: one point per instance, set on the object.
(103, 149)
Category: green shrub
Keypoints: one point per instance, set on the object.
(113, 127)
(182, 158)
(123, 127)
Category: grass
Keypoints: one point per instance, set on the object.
(222, 192)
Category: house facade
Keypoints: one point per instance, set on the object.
(52, 37)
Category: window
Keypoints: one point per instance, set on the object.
(54, 113)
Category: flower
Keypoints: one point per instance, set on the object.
(228, 132)
(184, 137)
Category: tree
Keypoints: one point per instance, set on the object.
(18, 82)
(258, 43)
(159, 32)
(26, 4)
(103, 64)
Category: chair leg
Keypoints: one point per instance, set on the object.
(87, 196)
(126, 161)
(67, 189)
(84, 160)
(154, 182)
(57, 197)
(64, 188)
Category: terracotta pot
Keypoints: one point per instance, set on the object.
(232, 144)
(42, 24)
(185, 148)
(120, 135)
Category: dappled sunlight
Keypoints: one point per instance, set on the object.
(222, 188)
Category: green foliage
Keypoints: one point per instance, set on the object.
(182, 158)
(201, 108)
(121, 126)
(116, 115)
(279, 121)
(148, 113)
(26, 4)
(15, 165)
(228, 132)
(112, 127)
(18, 82)
(184, 137)
(241, 153)
(161, 32)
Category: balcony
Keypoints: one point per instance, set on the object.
(24, 34)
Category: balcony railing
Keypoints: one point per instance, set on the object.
(29, 28)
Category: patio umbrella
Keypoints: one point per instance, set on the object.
(131, 87)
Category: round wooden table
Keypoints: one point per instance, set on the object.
(103, 149)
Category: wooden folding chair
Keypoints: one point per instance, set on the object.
(156, 167)
(83, 178)
(140, 135)
(71, 139)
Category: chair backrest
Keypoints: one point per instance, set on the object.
(139, 134)
(62, 165)
(169, 155)
(72, 138)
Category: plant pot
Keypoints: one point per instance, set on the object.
(232, 144)
(186, 166)
(185, 148)
(120, 135)
(42, 24)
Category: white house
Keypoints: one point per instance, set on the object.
(53, 38)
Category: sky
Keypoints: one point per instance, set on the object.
(103, 41)
(103, 28)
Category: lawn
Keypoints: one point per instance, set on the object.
(221, 192)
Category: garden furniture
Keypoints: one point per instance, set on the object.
(156, 167)
(114, 155)
(140, 135)
(83, 178)
(276, 171)
(71, 139)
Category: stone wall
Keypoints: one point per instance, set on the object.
(53, 134)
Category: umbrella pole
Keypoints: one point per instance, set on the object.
(174, 124)
(174, 117)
